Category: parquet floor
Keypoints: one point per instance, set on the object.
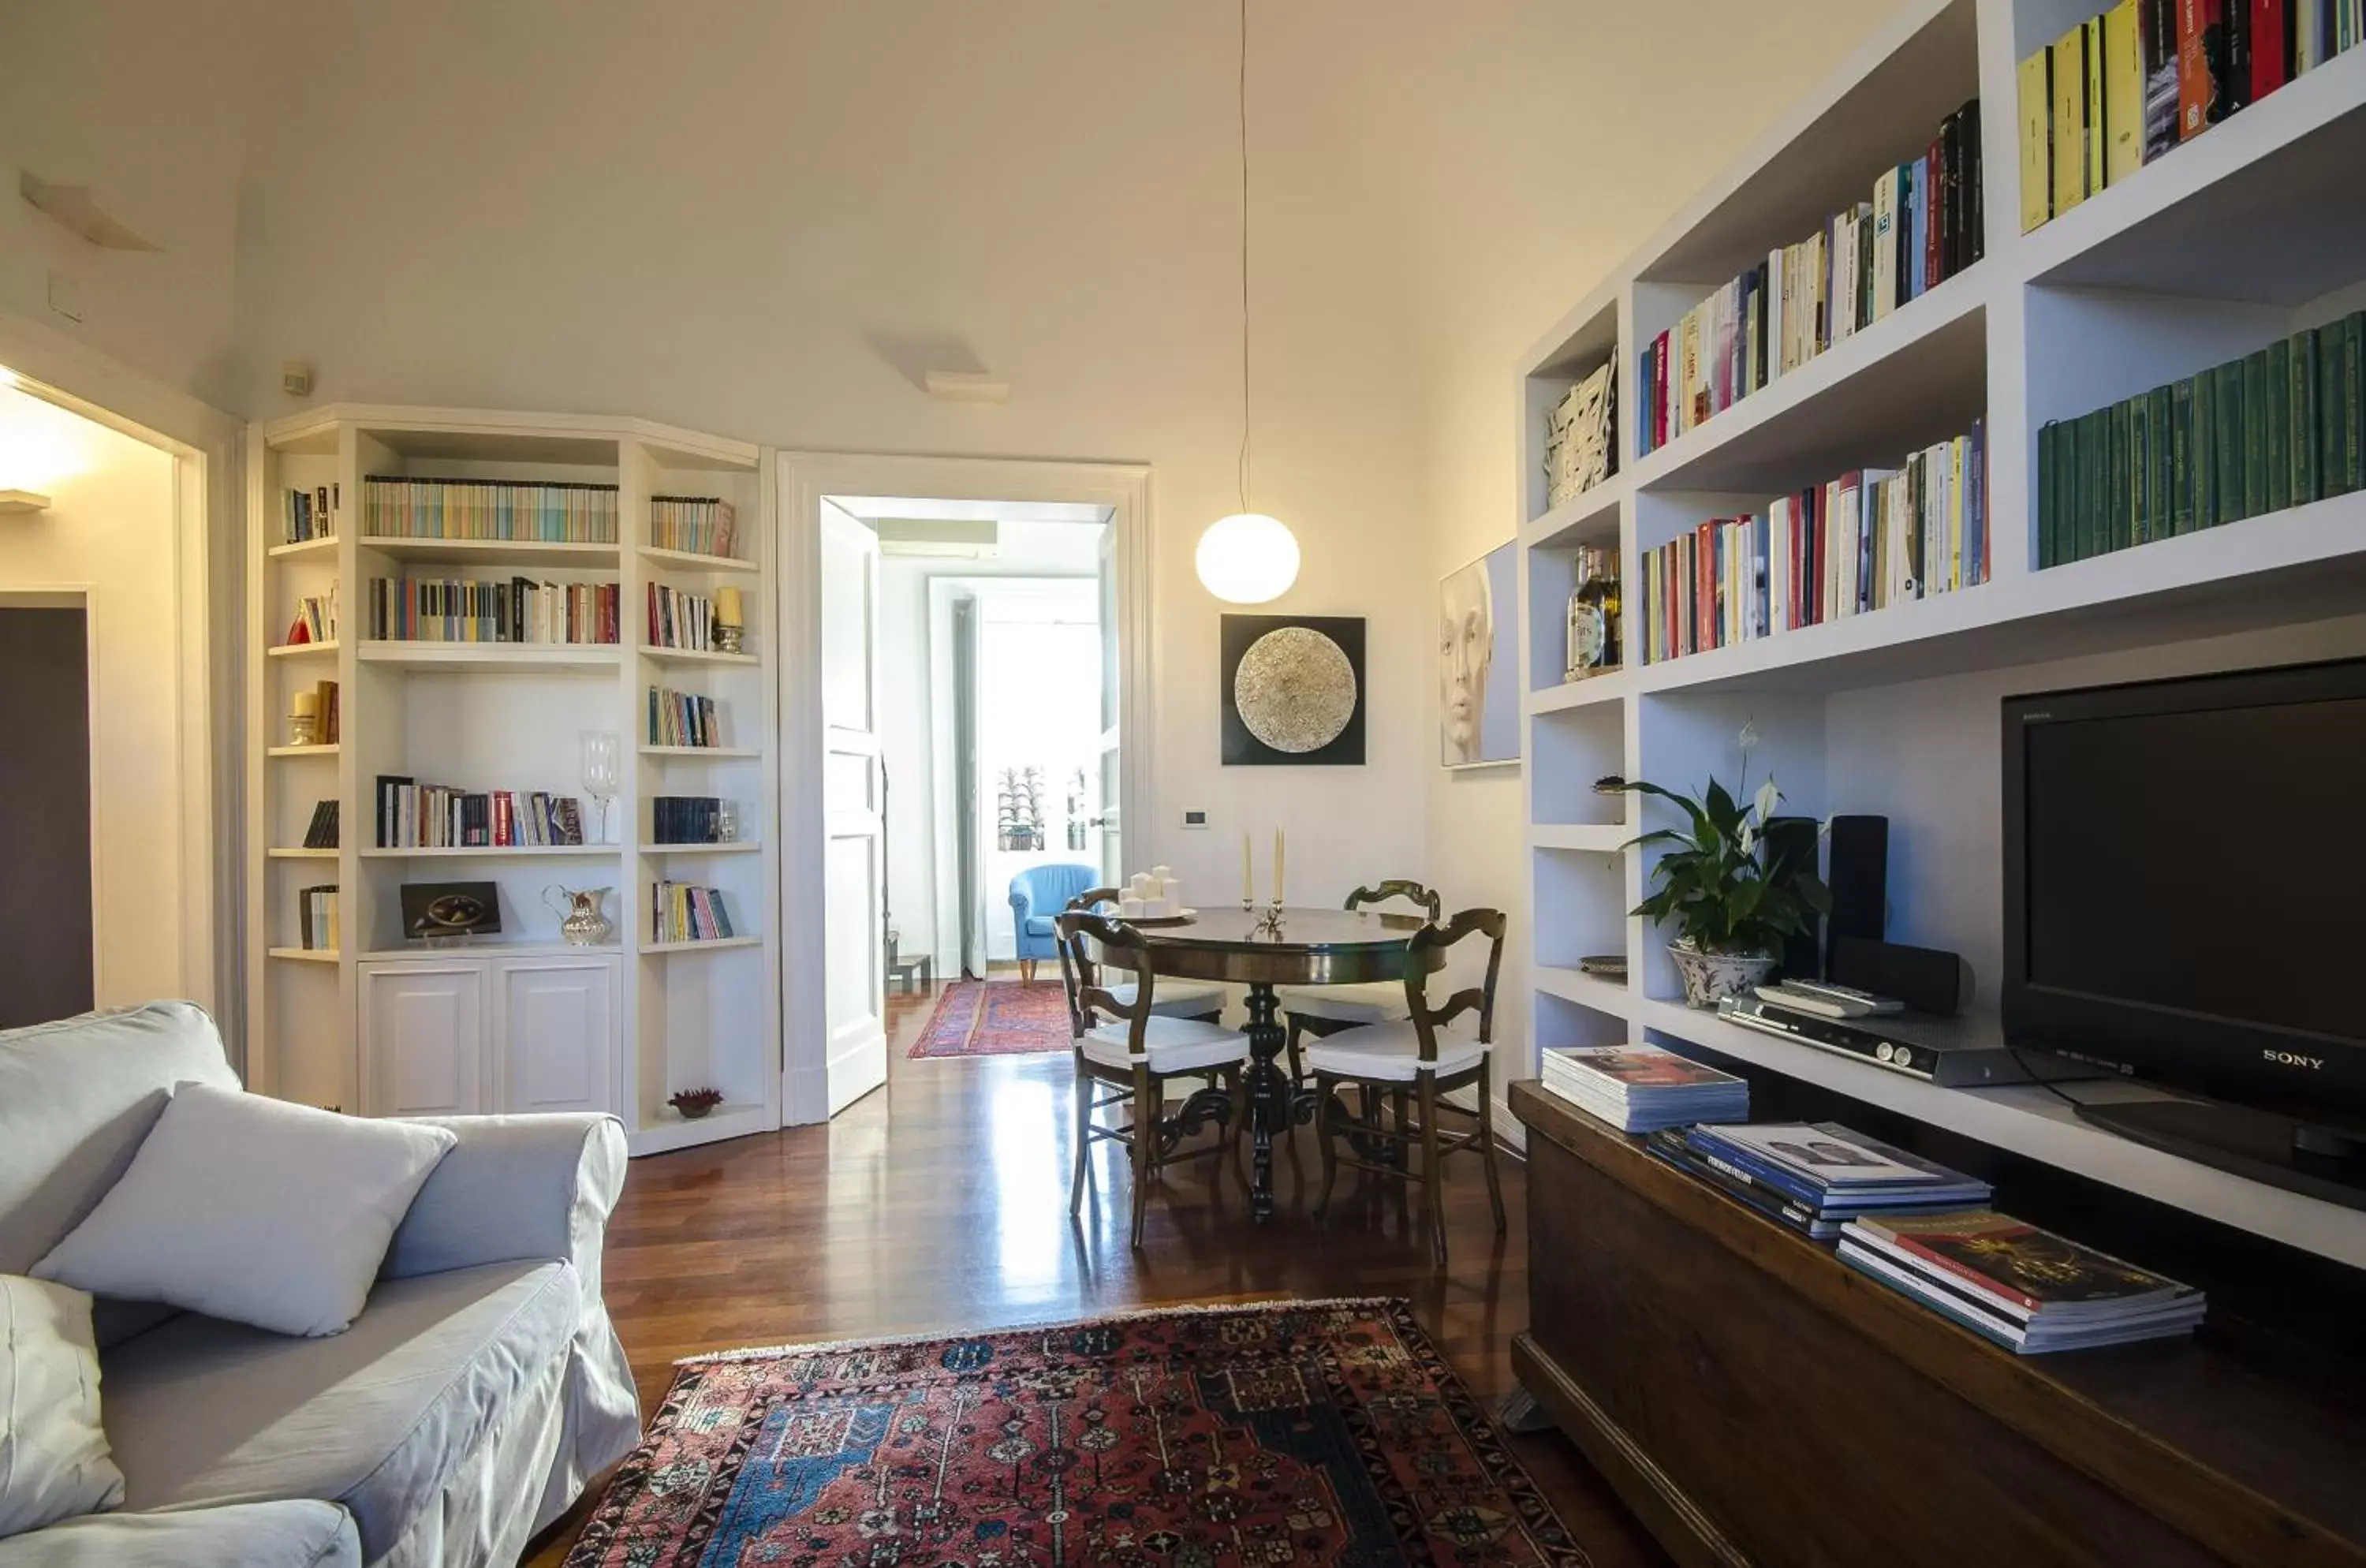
(938, 1204)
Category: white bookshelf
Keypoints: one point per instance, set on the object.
(2249, 233)
(539, 1023)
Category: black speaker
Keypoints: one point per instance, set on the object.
(1794, 845)
(1859, 878)
(1926, 979)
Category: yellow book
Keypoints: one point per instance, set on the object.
(2096, 162)
(2069, 75)
(2036, 152)
(2123, 93)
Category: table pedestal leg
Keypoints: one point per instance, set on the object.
(1266, 1088)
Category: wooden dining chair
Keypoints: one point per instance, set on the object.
(1136, 1055)
(1177, 999)
(1418, 1053)
(1322, 1010)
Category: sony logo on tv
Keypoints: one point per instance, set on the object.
(2294, 1059)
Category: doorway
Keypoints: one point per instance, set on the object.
(916, 806)
(45, 831)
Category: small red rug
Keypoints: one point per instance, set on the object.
(1301, 1432)
(996, 1018)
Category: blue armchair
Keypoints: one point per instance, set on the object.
(1036, 894)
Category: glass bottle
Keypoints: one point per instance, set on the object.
(1593, 613)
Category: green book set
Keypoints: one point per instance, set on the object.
(2282, 426)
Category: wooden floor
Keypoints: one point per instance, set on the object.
(940, 1204)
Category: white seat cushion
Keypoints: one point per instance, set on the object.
(1389, 1053)
(1382, 1001)
(1173, 1045)
(1175, 999)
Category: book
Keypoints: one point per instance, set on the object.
(2019, 1268)
(2067, 72)
(2036, 117)
(320, 833)
(2227, 443)
(1640, 1089)
(550, 512)
(2303, 378)
(2123, 78)
(1971, 1312)
(1668, 1146)
(1826, 1164)
(2200, 65)
(2270, 48)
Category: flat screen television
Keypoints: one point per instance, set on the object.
(2185, 901)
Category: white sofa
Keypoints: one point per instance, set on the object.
(463, 1409)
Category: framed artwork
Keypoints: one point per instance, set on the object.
(1479, 662)
(1294, 691)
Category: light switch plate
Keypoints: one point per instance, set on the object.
(1195, 819)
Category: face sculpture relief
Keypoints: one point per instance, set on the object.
(1466, 647)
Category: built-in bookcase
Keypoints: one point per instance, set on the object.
(383, 1025)
(2248, 233)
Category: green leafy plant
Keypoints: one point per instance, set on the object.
(1714, 880)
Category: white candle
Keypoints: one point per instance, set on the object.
(1248, 881)
(1278, 850)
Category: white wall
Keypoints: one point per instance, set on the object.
(107, 534)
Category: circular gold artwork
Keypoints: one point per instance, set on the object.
(1295, 690)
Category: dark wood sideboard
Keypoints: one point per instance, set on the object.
(1757, 1402)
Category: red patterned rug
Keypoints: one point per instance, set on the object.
(1303, 1432)
(996, 1018)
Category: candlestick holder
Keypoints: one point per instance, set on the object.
(1269, 923)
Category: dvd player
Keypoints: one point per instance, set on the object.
(1954, 1052)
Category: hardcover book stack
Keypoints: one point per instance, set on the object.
(2282, 426)
(682, 719)
(2123, 87)
(1639, 1088)
(1814, 1176)
(316, 918)
(2028, 1290)
(1923, 225)
(397, 507)
(1865, 541)
(407, 609)
(307, 515)
(685, 819)
(1581, 438)
(680, 912)
(696, 524)
(681, 620)
(412, 816)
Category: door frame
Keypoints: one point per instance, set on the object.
(1125, 488)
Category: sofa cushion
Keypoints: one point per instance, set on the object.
(76, 1099)
(53, 1462)
(253, 1209)
(299, 1534)
(1040, 925)
(377, 1418)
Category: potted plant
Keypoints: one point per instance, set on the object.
(1730, 911)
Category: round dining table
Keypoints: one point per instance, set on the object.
(1261, 949)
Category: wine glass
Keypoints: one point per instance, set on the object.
(600, 774)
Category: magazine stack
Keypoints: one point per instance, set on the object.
(2028, 1290)
(1637, 1089)
(1814, 1176)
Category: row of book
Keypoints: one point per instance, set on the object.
(1814, 1177)
(307, 515)
(1923, 225)
(316, 618)
(412, 816)
(680, 911)
(1642, 1088)
(397, 507)
(2282, 426)
(320, 833)
(1863, 541)
(414, 609)
(681, 619)
(683, 719)
(316, 929)
(699, 525)
(685, 820)
(2123, 87)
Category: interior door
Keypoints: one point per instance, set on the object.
(969, 805)
(854, 885)
(1107, 818)
(45, 925)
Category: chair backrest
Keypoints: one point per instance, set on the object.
(1077, 970)
(1397, 888)
(1428, 951)
(1045, 888)
(1122, 948)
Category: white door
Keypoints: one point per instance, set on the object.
(557, 1034)
(423, 1040)
(1112, 848)
(854, 942)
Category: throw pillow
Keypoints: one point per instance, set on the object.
(251, 1209)
(53, 1452)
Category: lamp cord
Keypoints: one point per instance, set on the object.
(1244, 105)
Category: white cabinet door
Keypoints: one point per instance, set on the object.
(423, 1039)
(557, 1034)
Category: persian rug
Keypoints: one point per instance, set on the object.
(1299, 1432)
(996, 1018)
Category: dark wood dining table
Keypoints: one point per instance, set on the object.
(1305, 947)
